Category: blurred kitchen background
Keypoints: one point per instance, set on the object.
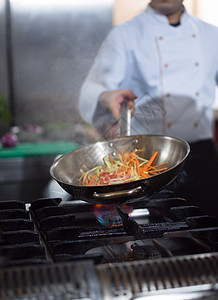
(46, 50)
(47, 47)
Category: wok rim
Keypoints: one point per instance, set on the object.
(125, 184)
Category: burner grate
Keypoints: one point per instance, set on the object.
(57, 251)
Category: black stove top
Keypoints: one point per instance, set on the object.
(48, 232)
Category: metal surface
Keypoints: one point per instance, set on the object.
(66, 169)
(50, 250)
(77, 280)
(199, 292)
(53, 45)
(178, 278)
(24, 178)
(3, 53)
(4, 82)
(125, 120)
(180, 275)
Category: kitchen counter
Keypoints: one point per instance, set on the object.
(38, 149)
(25, 169)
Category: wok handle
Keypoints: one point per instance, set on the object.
(118, 194)
(125, 120)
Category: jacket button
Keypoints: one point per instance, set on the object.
(166, 65)
(169, 124)
(196, 124)
(193, 35)
(160, 38)
(168, 95)
(197, 64)
(197, 93)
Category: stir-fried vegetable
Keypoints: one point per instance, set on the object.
(125, 168)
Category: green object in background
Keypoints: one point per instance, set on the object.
(5, 114)
(36, 149)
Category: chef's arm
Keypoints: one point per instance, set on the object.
(106, 74)
(217, 70)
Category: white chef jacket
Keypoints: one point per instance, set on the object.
(172, 70)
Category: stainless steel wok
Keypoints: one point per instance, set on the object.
(66, 169)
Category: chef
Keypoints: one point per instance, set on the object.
(164, 62)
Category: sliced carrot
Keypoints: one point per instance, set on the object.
(92, 179)
(162, 169)
(111, 159)
(164, 164)
(131, 167)
(123, 156)
(153, 158)
(137, 167)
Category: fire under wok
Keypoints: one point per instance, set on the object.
(66, 169)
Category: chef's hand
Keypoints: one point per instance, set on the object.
(113, 100)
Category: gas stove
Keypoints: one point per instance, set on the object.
(154, 247)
